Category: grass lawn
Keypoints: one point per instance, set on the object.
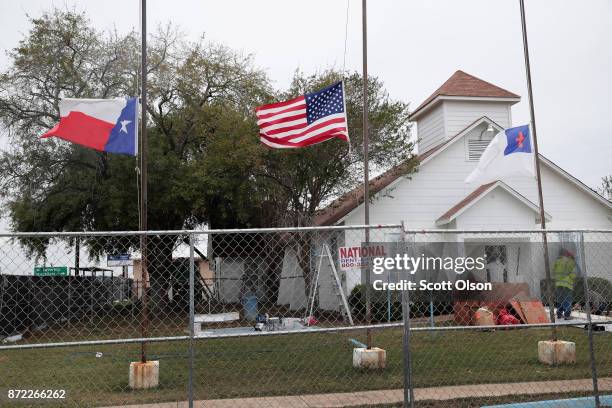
(295, 364)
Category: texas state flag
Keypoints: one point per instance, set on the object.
(107, 125)
(509, 154)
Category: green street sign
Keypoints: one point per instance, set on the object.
(50, 271)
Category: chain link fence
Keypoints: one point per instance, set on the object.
(272, 317)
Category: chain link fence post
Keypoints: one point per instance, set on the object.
(191, 316)
(368, 279)
(587, 295)
(406, 353)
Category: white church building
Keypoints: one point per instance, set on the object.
(454, 126)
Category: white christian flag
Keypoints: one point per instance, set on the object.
(509, 154)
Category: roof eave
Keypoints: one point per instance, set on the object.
(423, 109)
(440, 222)
(443, 220)
(581, 186)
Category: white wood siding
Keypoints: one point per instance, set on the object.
(430, 129)
(569, 206)
(459, 114)
(498, 207)
(437, 186)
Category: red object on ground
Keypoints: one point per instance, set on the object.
(505, 318)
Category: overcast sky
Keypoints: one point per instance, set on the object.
(414, 46)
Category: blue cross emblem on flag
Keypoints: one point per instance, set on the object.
(518, 140)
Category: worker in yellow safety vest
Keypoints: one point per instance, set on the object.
(564, 271)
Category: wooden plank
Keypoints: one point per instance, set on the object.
(534, 311)
(216, 317)
(519, 311)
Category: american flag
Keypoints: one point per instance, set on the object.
(305, 120)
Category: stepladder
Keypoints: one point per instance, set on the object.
(342, 301)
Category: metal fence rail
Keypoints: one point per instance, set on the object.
(238, 314)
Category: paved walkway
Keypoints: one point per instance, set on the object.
(393, 396)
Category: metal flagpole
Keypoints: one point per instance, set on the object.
(550, 296)
(366, 187)
(144, 323)
(191, 316)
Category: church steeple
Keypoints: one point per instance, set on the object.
(462, 99)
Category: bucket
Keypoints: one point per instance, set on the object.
(249, 307)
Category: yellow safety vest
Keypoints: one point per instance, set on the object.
(565, 272)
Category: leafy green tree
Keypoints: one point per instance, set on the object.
(197, 90)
